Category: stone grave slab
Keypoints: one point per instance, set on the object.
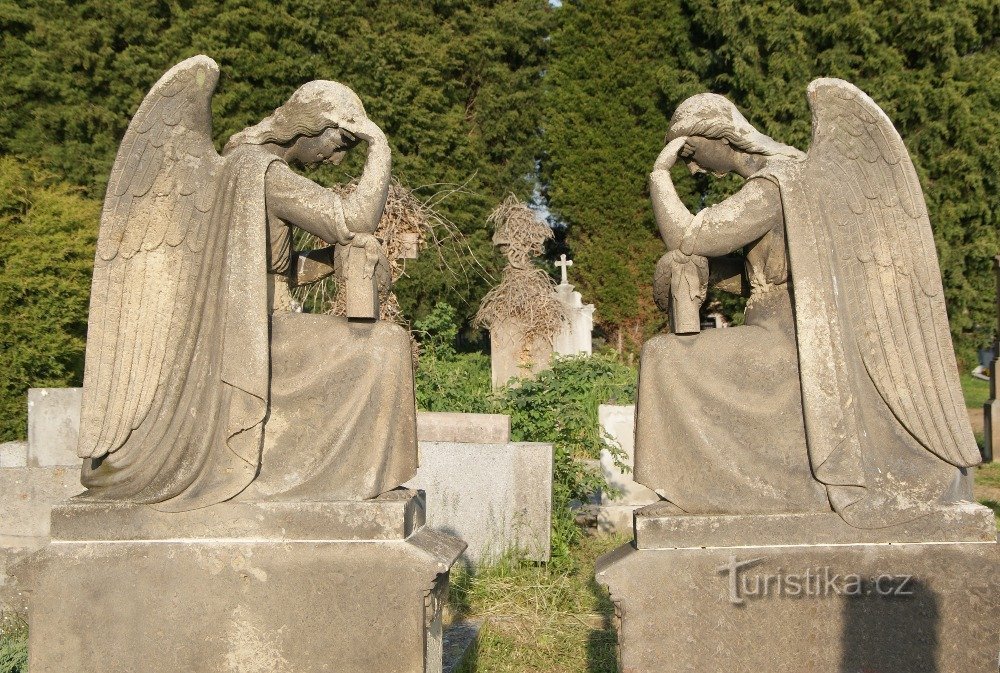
(53, 426)
(496, 497)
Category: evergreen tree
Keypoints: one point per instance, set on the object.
(47, 237)
(453, 84)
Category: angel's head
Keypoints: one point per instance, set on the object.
(720, 139)
(313, 127)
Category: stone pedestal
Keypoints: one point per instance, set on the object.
(793, 593)
(241, 588)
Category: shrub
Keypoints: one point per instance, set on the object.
(559, 407)
(47, 236)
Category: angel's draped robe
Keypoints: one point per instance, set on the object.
(303, 407)
(720, 421)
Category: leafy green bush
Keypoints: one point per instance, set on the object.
(447, 380)
(559, 407)
(47, 235)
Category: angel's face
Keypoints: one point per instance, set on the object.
(329, 147)
(707, 154)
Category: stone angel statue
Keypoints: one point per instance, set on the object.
(841, 390)
(202, 383)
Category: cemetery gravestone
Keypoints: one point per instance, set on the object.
(53, 426)
(495, 497)
(242, 509)
(814, 462)
(523, 312)
(574, 338)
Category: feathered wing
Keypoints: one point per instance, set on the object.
(161, 190)
(888, 267)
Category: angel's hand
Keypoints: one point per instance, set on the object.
(372, 248)
(341, 234)
(668, 156)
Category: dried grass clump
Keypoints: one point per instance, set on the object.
(526, 294)
(518, 232)
(406, 218)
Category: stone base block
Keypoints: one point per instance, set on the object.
(310, 590)
(496, 497)
(446, 426)
(786, 606)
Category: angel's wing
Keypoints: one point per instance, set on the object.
(152, 231)
(888, 266)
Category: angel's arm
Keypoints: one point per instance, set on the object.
(720, 229)
(301, 202)
(363, 206)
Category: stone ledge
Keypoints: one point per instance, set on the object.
(446, 426)
(394, 516)
(657, 528)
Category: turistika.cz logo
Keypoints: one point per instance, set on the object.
(812, 583)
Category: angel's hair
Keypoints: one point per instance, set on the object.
(313, 108)
(709, 115)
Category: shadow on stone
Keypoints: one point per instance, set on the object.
(894, 631)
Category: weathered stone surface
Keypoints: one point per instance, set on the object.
(615, 514)
(575, 336)
(26, 498)
(13, 596)
(392, 516)
(53, 426)
(459, 644)
(892, 608)
(511, 356)
(239, 603)
(656, 529)
(13, 454)
(444, 426)
(495, 497)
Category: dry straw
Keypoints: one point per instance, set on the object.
(526, 295)
(406, 222)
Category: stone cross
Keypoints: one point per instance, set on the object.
(564, 264)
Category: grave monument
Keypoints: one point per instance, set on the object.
(575, 336)
(523, 312)
(241, 460)
(812, 464)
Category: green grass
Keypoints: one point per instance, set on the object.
(13, 645)
(538, 619)
(975, 390)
